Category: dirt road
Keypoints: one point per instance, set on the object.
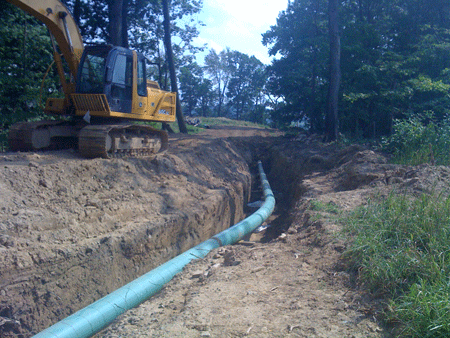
(73, 230)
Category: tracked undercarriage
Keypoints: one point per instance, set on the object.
(41, 135)
(106, 141)
(121, 140)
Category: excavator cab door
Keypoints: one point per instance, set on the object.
(119, 80)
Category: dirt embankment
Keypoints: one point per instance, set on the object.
(73, 230)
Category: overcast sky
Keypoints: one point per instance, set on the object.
(238, 24)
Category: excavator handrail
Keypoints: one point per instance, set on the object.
(61, 25)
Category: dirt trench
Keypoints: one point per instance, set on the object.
(73, 230)
(287, 280)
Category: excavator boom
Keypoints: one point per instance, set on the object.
(61, 25)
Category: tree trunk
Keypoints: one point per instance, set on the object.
(219, 108)
(77, 12)
(124, 31)
(335, 72)
(312, 111)
(170, 61)
(117, 16)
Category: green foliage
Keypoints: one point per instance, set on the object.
(400, 250)
(25, 55)
(418, 140)
(196, 90)
(217, 66)
(297, 78)
(395, 58)
(245, 89)
(239, 83)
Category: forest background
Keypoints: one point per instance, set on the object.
(394, 62)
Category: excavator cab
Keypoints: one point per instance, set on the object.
(108, 70)
(112, 82)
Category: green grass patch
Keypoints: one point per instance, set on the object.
(400, 249)
(222, 121)
(191, 129)
(215, 121)
(320, 206)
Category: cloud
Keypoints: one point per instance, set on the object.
(238, 24)
(210, 44)
(261, 13)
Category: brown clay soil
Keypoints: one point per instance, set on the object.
(73, 230)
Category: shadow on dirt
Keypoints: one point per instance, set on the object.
(285, 180)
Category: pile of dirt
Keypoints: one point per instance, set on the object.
(73, 230)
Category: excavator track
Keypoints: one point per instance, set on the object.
(122, 140)
(41, 135)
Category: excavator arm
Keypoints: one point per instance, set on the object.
(62, 27)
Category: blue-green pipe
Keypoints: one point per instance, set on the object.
(93, 318)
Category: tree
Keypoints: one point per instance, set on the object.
(191, 77)
(25, 57)
(206, 97)
(394, 63)
(298, 76)
(246, 82)
(335, 71)
(118, 28)
(171, 63)
(196, 90)
(218, 67)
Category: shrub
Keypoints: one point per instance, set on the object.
(418, 140)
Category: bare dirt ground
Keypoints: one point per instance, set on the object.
(73, 230)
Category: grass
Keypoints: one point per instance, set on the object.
(215, 121)
(400, 250)
(191, 129)
(222, 121)
(320, 206)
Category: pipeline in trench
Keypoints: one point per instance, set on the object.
(285, 178)
(73, 283)
(90, 320)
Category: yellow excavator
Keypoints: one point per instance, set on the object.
(105, 90)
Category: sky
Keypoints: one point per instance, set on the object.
(238, 24)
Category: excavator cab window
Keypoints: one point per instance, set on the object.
(141, 76)
(121, 85)
(91, 77)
